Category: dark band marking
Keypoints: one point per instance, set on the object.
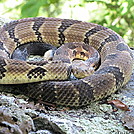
(85, 92)
(7, 26)
(53, 90)
(2, 69)
(38, 72)
(48, 94)
(3, 49)
(17, 63)
(122, 47)
(115, 71)
(93, 31)
(113, 37)
(43, 91)
(112, 56)
(64, 25)
(41, 63)
(10, 27)
(36, 26)
(81, 94)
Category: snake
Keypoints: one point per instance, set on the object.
(45, 80)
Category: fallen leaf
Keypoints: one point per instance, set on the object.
(119, 105)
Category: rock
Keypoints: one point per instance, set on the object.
(128, 120)
(12, 118)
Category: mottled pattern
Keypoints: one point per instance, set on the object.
(114, 71)
(36, 72)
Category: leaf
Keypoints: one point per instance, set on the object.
(119, 105)
(31, 8)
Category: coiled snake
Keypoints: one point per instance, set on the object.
(114, 71)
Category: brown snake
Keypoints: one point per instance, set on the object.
(114, 71)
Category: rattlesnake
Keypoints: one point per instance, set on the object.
(114, 71)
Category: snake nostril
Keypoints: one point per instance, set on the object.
(74, 52)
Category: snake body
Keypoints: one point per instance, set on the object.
(114, 71)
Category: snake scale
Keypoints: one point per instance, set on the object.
(114, 71)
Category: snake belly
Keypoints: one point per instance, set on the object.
(114, 71)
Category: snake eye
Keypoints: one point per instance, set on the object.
(82, 53)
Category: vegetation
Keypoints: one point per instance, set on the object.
(115, 14)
